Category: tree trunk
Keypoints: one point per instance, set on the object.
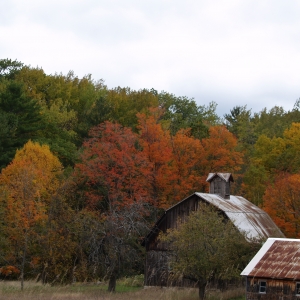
(112, 283)
(23, 263)
(202, 286)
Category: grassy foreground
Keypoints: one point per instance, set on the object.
(10, 290)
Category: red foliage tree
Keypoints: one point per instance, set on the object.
(114, 168)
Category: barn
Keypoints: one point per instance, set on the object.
(245, 216)
(274, 272)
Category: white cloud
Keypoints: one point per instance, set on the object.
(232, 52)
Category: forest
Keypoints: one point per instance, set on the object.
(86, 170)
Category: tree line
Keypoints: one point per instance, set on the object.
(87, 170)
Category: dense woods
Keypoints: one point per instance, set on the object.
(86, 169)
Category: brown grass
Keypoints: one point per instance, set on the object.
(34, 291)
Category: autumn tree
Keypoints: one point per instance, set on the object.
(126, 103)
(156, 146)
(272, 156)
(187, 158)
(221, 153)
(27, 185)
(207, 247)
(282, 201)
(115, 173)
(220, 150)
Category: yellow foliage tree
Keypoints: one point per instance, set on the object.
(26, 187)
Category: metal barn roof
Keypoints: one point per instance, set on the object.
(278, 258)
(247, 217)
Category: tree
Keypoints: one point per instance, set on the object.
(9, 68)
(113, 167)
(115, 173)
(121, 252)
(187, 159)
(22, 120)
(282, 202)
(239, 122)
(207, 246)
(27, 185)
(65, 103)
(156, 146)
(184, 113)
(272, 156)
(127, 103)
(271, 123)
(221, 153)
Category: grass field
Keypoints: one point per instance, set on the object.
(10, 290)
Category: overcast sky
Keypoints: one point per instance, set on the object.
(233, 52)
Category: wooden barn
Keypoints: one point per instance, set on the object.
(274, 272)
(245, 216)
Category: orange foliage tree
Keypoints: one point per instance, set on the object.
(157, 148)
(282, 202)
(26, 187)
(220, 152)
(187, 158)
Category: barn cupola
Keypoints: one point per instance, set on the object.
(219, 183)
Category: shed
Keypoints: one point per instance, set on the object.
(247, 217)
(274, 272)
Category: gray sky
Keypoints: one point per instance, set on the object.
(233, 52)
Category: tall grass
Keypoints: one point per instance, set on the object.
(128, 289)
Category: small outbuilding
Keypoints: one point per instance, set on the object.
(274, 272)
(247, 217)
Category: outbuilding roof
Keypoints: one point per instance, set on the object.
(278, 258)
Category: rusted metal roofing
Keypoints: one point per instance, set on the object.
(247, 217)
(225, 176)
(277, 259)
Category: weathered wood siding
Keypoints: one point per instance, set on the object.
(276, 289)
(156, 266)
(175, 216)
(220, 187)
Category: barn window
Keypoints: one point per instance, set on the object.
(298, 288)
(262, 287)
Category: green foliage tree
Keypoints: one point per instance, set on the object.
(183, 113)
(239, 122)
(207, 246)
(65, 103)
(21, 120)
(272, 156)
(9, 68)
